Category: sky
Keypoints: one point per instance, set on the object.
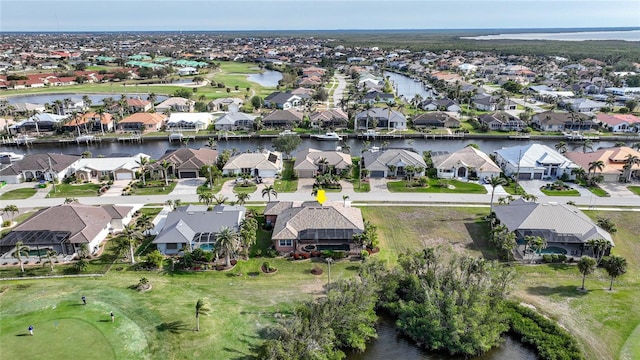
(221, 15)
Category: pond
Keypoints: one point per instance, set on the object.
(96, 99)
(392, 345)
(267, 78)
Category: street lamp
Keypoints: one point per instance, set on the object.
(329, 261)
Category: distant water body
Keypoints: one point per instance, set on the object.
(631, 35)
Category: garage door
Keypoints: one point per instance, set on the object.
(537, 176)
(524, 176)
(377, 174)
(124, 176)
(188, 175)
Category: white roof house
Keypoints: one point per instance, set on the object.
(264, 164)
(189, 121)
(176, 104)
(534, 161)
(465, 163)
(234, 120)
(117, 168)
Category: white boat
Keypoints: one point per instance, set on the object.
(370, 133)
(287, 132)
(10, 156)
(331, 136)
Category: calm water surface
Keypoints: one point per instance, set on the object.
(407, 87)
(629, 35)
(268, 78)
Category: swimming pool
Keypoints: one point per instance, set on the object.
(207, 247)
(553, 250)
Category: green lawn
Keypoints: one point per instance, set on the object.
(458, 187)
(155, 187)
(74, 191)
(245, 189)
(572, 192)
(634, 189)
(18, 194)
(512, 190)
(285, 186)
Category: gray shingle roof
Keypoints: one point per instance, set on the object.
(331, 216)
(181, 226)
(398, 157)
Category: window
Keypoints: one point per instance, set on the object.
(285, 243)
(172, 246)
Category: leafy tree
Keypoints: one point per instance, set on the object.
(586, 266)
(202, 308)
(256, 102)
(615, 266)
(183, 93)
(155, 258)
(287, 144)
(227, 242)
(269, 190)
(21, 250)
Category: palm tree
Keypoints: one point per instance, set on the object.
(143, 164)
(12, 210)
(596, 165)
(390, 106)
(205, 197)
(165, 170)
(227, 242)
(615, 266)
(212, 143)
(131, 237)
(586, 145)
(495, 181)
(629, 162)
(344, 200)
(242, 197)
(145, 223)
(598, 248)
(51, 255)
(561, 147)
(529, 197)
(202, 308)
(83, 251)
(537, 244)
(100, 113)
(152, 99)
(269, 190)
(21, 251)
(586, 266)
(70, 200)
(220, 199)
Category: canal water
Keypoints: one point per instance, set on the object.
(391, 345)
(407, 87)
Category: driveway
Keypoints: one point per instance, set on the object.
(116, 188)
(619, 189)
(533, 187)
(305, 185)
(378, 185)
(187, 186)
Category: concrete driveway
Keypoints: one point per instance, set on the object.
(116, 188)
(378, 185)
(187, 186)
(533, 187)
(619, 189)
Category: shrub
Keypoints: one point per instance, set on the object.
(562, 258)
(271, 253)
(6, 223)
(364, 254)
(339, 254)
(257, 253)
(305, 255)
(326, 253)
(554, 258)
(547, 258)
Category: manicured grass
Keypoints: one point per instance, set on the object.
(156, 187)
(245, 189)
(512, 190)
(634, 189)
(459, 187)
(18, 194)
(73, 190)
(572, 192)
(285, 186)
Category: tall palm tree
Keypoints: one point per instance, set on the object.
(131, 236)
(269, 190)
(51, 255)
(220, 199)
(242, 197)
(143, 163)
(367, 107)
(495, 181)
(615, 266)
(212, 143)
(390, 106)
(205, 197)
(598, 248)
(561, 147)
(629, 162)
(11, 209)
(100, 113)
(344, 200)
(87, 101)
(227, 242)
(586, 266)
(145, 223)
(152, 99)
(202, 308)
(586, 144)
(596, 165)
(165, 170)
(21, 250)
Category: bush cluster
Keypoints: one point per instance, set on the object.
(554, 258)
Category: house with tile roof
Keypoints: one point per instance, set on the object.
(143, 122)
(380, 118)
(138, 105)
(619, 122)
(613, 159)
(185, 163)
(562, 121)
(534, 161)
(189, 121)
(36, 167)
(437, 119)
(90, 122)
(377, 163)
(265, 164)
(466, 163)
(329, 119)
(565, 228)
(315, 227)
(282, 119)
(311, 162)
(64, 228)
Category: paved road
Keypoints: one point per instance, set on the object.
(338, 94)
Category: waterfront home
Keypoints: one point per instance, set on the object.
(143, 122)
(466, 163)
(36, 167)
(329, 119)
(189, 121)
(614, 160)
(41, 122)
(90, 121)
(373, 97)
(195, 226)
(619, 122)
(176, 104)
(489, 103)
(235, 121)
(311, 162)
(392, 162)
(562, 121)
(436, 119)
(282, 100)
(380, 118)
(265, 164)
(138, 105)
(110, 168)
(534, 161)
(440, 104)
(565, 228)
(315, 227)
(582, 105)
(502, 120)
(185, 163)
(225, 104)
(282, 119)
(64, 228)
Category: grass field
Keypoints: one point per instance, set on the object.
(457, 187)
(18, 194)
(73, 190)
(156, 187)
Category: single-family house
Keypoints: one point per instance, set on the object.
(440, 104)
(194, 226)
(329, 119)
(566, 229)
(466, 163)
(619, 122)
(185, 163)
(65, 228)
(614, 160)
(315, 227)
(44, 122)
(186, 71)
(582, 105)
(489, 103)
(36, 167)
(435, 119)
(282, 119)
(189, 121)
(392, 162)
(502, 120)
(90, 122)
(562, 121)
(225, 104)
(176, 104)
(263, 164)
(534, 161)
(311, 162)
(235, 121)
(282, 100)
(113, 168)
(375, 96)
(138, 105)
(143, 122)
(380, 118)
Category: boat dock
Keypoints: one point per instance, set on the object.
(131, 138)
